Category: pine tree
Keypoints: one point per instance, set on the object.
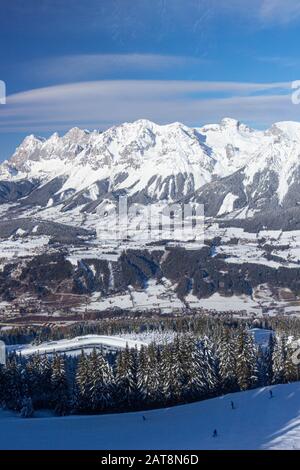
(127, 383)
(150, 376)
(227, 362)
(135, 394)
(279, 359)
(156, 377)
(262, 366)
(247, 374)
(211, 368)
(284, 370)
(13, 390)
(290, 369)
(195, 386)
(44, 374)
(173, 372)
(59, 386)
(143, 374)
(38, 380)
(119, 397)
(269, 360)
(177, 370)
(82, 381)
(169, 394)
(100, 383)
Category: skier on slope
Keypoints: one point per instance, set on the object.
(215, 433)
(232, 405)
(271, 394)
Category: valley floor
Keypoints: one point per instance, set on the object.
(257, 422)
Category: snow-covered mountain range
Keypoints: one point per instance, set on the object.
(234, 170)
(57, 201)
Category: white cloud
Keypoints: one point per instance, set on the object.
(280, 11)
(2, 92)
(262, 12)
(287, 62)
(100, 104)
(80, 66)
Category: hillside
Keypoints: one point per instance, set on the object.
(66, 252)
(257, 422)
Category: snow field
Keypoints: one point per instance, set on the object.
(257, 422)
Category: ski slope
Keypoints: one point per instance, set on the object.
(257, 422)
(78, 344)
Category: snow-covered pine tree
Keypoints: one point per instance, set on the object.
(136, 396)
(82, 381)
(45, 374)
(178, 369)
(262, 366)
(157, 378)
(212, 376)
(154, 377)
(167, 356)
(100, 383)
(227, 362)
(13, 390)
(119, 396)
(31, 375)
(290, 369)
(95, 385)
(268, 357)
(143, 374)
(279, 359)
(128, 393)
(195, 386)
(173, 371)
(59, 386)
(38, 379)
(246, 364)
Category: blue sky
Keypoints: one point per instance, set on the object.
(95, 63)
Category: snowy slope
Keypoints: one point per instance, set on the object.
(257, 422)
(233, 144)
(242, 171)
(267, 183)
(78, 344)
(169, 161)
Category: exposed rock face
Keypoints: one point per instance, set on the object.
(61, 189)
(229, 167)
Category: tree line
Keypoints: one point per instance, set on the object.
(197, 324)
(182, 371)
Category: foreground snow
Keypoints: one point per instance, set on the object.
(257, 422)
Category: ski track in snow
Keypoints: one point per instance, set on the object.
(257, 422)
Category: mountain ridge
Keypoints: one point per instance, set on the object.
(232, 169)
